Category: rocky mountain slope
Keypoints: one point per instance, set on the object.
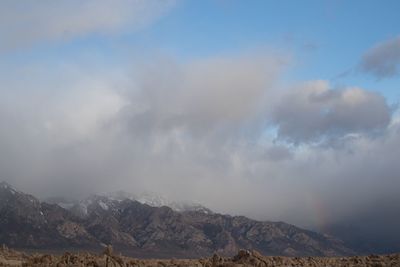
(141, 230)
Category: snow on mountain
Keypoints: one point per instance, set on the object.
(6, 186)
(157, 200)
(95, 203)
(109, 201)
(61, 201)
(7, 189)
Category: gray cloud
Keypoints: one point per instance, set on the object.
(383, 60)
(200, 130)
(182, 118)
(207, 95)
(23, 23)
(315, 112)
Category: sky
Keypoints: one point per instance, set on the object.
(277, 110)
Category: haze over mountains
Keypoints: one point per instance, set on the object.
(357, 235)
(146, 231)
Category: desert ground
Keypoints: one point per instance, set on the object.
(10, 257)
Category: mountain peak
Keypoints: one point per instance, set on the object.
(154, 199)
(4, 186)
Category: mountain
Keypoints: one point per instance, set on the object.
(149, 198)
(156, 200)
(27, 222)
(139, 229)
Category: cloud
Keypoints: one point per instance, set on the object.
(206, 95)
(201, 131)
(314, 112)
(23, 23)
(181, 117)
(382, 60)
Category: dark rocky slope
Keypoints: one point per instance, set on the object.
(141, 230)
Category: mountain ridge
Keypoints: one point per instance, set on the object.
(150, 198)
(140, 229)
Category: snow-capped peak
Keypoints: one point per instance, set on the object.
(153, 199)
(110, 202)
(157, 200)
(6, 186)
(96, 203)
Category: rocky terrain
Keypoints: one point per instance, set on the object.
(140, 230)
(9, 257)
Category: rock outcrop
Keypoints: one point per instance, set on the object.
(244, 258)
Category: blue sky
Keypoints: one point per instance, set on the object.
(326, 38)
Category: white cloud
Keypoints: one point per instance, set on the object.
(314, 112)
(23, 23)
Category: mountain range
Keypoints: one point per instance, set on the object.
(136, 228)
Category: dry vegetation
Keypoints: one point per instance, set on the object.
(9, 257)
